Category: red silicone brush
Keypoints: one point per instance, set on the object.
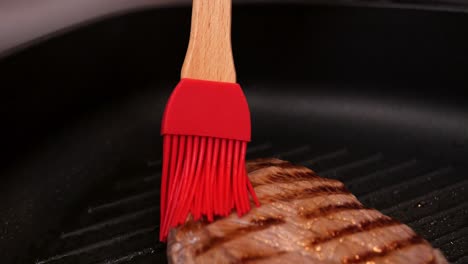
(206, 127)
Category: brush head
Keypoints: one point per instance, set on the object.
(205, 128)
(207, 108)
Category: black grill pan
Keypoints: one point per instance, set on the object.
(372, 96)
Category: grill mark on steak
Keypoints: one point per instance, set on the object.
(385, 250)
(256, 225)
(249, 258)
(268, 163)
(262, 162)
(287, 177)
(308, 193)
(353, 229)
(330, 209)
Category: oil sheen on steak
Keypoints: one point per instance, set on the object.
(303, 219)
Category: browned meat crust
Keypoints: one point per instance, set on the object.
(304, 219)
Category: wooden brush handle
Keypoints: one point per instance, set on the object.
(209, 54)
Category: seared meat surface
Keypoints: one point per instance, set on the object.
(303, 219)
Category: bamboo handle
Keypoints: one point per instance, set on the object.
(209, 53)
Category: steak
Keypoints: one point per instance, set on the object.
(303, 219)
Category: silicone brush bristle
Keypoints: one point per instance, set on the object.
(203, 177)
